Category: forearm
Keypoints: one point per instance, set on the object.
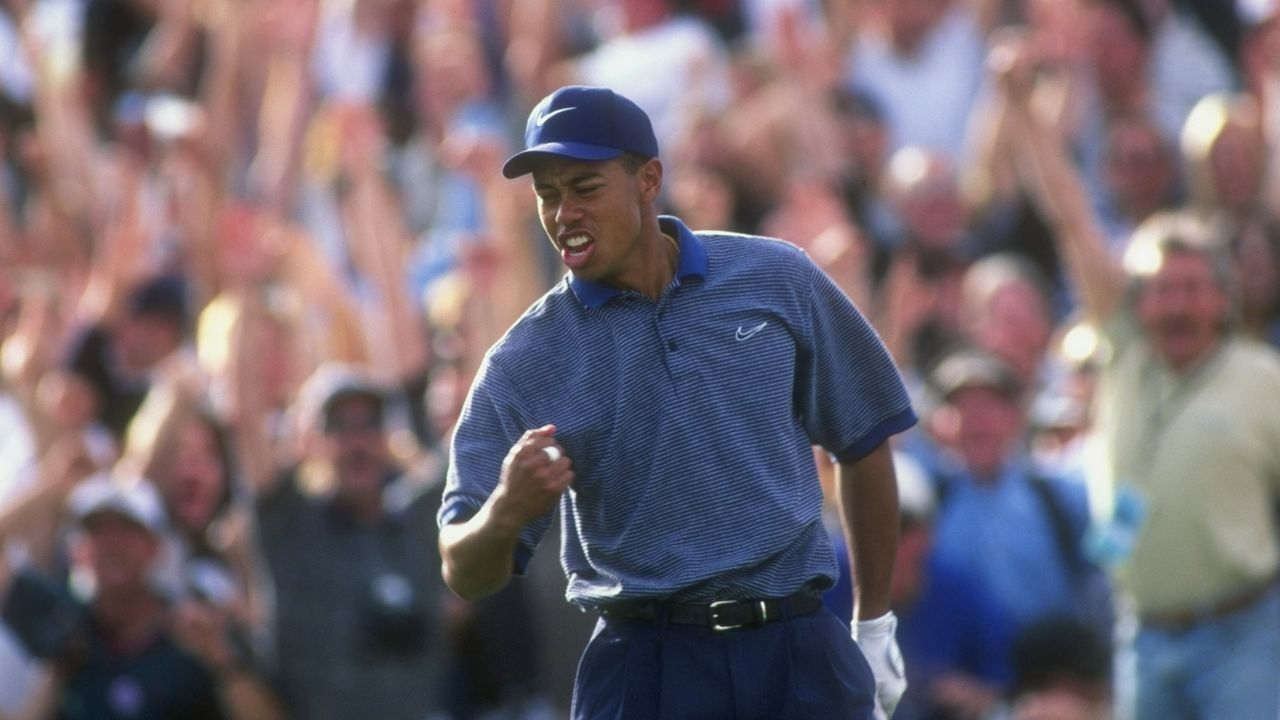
(989, 179)
(338, 337)
(394, 334)
(246, 374)
(1271, 130)
(34, 516)
(478, 555)
(867, 492)
(1059, 191)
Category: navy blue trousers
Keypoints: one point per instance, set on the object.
(804, 668)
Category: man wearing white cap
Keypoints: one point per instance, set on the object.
(119, 655)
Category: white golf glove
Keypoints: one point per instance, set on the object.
(879, 644)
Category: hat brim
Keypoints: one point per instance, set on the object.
(117, 510)
(365, 392)
(522, 162)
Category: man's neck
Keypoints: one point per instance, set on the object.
(130, 619)
(656, 264)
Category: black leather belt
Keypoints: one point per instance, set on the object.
(720, 615)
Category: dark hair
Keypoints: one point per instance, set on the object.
(857, 103)
(163, 296)
(632, 162)
(1057, 648)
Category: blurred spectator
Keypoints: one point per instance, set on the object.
(1226, 156)
(1061, 671)
(1005, 310)
(16, 87)
(211, 556)
(864, 131)
(1180, 400)
(1146, 59)
(920, 277)
(1062, 410)
(1255, 251)
(671, 62)
(356, 48)
(999, 519)
(125, 652)
(780, 138)
(116, 359)
(138, 45)
(454, 95)
(349, 539)
(921, 60)
(704, 196)
(1139, 177)
(1186, 63)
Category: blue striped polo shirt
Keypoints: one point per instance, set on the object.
(690, 421)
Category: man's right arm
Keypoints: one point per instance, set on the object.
(478, 554)
(1056, 186)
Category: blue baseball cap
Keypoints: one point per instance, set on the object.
(583, 123)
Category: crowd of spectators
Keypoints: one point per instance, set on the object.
(252, 252)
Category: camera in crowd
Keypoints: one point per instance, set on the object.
(394, 623)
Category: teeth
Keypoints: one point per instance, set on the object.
(576, 241)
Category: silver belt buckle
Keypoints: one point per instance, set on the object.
(760, 613)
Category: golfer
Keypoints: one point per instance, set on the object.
(666, 396)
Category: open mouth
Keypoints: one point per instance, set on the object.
(575, 249)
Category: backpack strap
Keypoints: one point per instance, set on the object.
(1064, 534)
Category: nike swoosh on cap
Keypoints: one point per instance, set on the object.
(544, 117)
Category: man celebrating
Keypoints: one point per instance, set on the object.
(666, 395)
(1187, 472)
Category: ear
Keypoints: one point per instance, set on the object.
(649, 177)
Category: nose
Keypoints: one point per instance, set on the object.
(567, 211)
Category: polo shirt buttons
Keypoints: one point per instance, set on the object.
(672, 346)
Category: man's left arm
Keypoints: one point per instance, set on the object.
(867, 491)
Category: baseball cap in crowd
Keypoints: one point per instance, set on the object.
(133, 498)
(336, 381)
(583, 123)
(974, 368)
(161, 296)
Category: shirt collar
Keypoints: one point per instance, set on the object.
(692, 264)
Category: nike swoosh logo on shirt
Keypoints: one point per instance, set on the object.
(544, 117)
(741, 334)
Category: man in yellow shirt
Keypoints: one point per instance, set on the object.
(1186, 469)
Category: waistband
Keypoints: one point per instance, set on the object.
(720, 615)
(1182, 620)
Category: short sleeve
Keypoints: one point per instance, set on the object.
(851, 396)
